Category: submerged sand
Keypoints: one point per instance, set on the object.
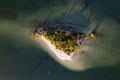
(102, 52)
(70, 61)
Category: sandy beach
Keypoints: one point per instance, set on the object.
(60, 54)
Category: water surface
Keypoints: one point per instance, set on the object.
(22, 58)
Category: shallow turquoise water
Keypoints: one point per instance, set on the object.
(21, 58)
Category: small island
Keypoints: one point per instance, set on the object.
(62, 37)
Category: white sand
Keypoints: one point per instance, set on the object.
(70, 62)
(59, 53)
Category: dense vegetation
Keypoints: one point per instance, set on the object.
(63, 40)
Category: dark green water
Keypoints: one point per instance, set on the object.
(21, 58)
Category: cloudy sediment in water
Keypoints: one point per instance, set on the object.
(22, 58)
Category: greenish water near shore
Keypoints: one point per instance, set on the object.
(21, 58)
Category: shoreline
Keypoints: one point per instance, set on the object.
(60, 54)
